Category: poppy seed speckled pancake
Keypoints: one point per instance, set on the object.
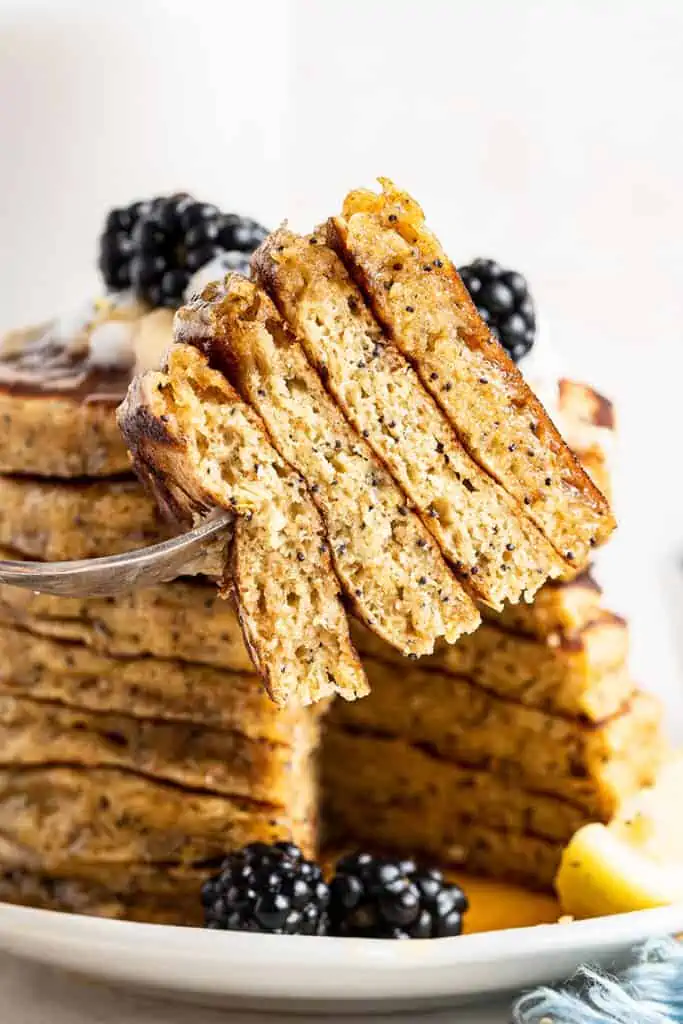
(495, 550)
(198, 446)
(417, 296)
(398, 800)
(152, 893)
(560, 607)
(37, 733)
(443, 789)
(47, 669)
(594, 765)
(389, 566)
(186, 620)
(59, 520)
(582, 674)
(65, 815)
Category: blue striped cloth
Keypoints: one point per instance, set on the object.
(648, 992)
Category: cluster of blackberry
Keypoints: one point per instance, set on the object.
(154, 247)
(275, 889)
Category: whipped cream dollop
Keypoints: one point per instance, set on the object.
(101, 330)
(72, 325)
(541, 370)
(111, 344)
(215, 270)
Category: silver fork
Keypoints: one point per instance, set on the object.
(101, 577)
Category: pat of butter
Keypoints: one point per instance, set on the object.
(152, 338)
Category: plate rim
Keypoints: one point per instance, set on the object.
(26, 923)
(275, 974)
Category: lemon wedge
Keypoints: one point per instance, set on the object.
(635, 862)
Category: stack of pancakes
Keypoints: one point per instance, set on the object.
(137, 744)
(492, 752)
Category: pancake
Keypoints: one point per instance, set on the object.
(60, 383)
(388, 565)
(417, 296)
(55, 670)
(387, 809)
(574, 673)
(53, 436)
(68, 519)
(131, 900)
(185, 620)
(475, 847)
(63, 815)
(560, 607)
(34, 734)
(57, 402)
(587, 420)
(442, 790)
(198, 446)
(494, 549)
(161, 893)
(595, 766)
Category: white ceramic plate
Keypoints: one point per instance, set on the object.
(331, 975)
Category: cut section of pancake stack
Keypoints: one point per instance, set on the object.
(138, 744)
(491, 753)
(434, 472)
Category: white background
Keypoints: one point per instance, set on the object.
(545, 133)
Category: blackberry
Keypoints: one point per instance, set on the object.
(155, 246)
(504, 303)
(240, 234)
(176, 237)
(377, 898)
(266, 888)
